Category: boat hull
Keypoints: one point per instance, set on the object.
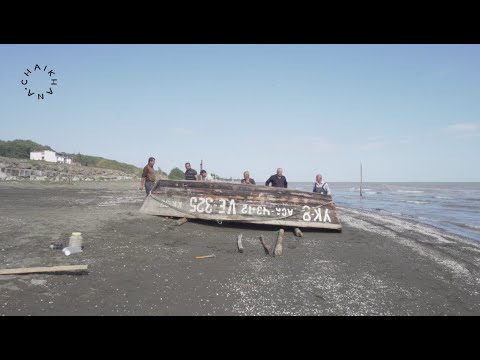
(232, 202)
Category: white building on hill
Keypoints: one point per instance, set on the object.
(50, 156)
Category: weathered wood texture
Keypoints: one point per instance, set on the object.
(298, 232)
(242, 203)
(49, 269)
(279, 245)
(181, 221)
(265, 247)
(239, 243)
(205, 256)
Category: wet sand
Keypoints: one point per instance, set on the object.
(145, 265)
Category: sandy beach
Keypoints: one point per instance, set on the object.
(145, 265)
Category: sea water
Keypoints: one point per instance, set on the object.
(451, 207)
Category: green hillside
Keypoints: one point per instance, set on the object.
(96, 161)
(21, 149)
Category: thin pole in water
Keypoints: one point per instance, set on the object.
(361, 180)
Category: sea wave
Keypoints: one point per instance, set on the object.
(410, 191)
(408, 223)
(464, 225)
(462, 206)
(423, 218)
(468, 226)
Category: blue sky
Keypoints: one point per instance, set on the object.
(407, 112)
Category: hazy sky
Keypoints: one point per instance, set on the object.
(407, 112)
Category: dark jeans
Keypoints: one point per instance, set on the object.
(149, 186)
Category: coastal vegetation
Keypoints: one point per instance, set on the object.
(100, 162)
(21, 149)
(176, 174)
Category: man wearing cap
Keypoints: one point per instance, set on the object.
(148, 176)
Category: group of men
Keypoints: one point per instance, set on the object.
(276, 180)
(148, 175)
(191, 174)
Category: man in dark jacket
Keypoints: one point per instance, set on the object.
(190, 174)
(277, 180)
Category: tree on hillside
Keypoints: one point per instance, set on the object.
(176, 174)
(20, 148)
(162, 173)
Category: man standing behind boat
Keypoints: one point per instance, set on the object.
(247, 179)
(148, 176)
(204, 176)
(321, 187)
(277, 180)
(190, 174)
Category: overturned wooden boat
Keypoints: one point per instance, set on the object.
(221, 201)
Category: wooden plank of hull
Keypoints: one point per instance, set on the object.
(241, 203)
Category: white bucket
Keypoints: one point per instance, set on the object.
(76, 240)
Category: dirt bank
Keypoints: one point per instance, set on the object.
(12, 169)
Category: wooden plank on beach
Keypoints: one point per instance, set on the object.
(279, 245)
(47, 269)
(265, 247)
(239, 243)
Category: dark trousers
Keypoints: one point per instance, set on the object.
(149, 186)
